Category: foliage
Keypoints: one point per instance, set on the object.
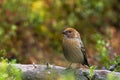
(2, 52)
(7, 70)
(111, 76)
(104, 52)
(67, 75)
(101, 48)
(117, 61)
(92, 68)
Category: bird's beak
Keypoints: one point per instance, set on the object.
(64, 32)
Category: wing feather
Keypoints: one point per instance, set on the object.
(84, 54)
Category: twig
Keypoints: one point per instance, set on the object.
(112, 68)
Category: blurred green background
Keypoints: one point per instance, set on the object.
(30, 30)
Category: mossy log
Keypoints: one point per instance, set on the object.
(51, 72)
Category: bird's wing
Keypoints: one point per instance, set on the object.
(84, 54)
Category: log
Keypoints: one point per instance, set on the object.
(51, 72)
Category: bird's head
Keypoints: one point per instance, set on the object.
(71, 33)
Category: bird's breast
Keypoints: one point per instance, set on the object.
(72, 50)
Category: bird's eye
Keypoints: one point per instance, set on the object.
(69, 31)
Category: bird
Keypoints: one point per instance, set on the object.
(73, 48)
